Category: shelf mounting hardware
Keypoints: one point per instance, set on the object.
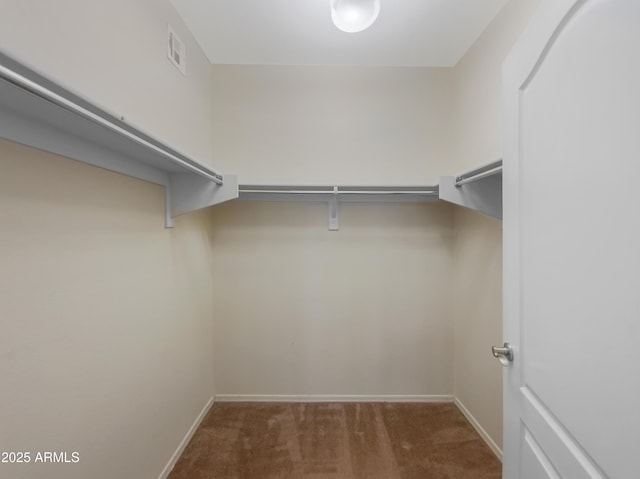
(334, 211)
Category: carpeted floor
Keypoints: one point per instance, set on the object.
(336, 441)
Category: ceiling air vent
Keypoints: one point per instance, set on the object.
(177, 51)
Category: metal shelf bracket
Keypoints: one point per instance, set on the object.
(334, 211)
(479, 189)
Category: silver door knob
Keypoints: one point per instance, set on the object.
(504, 353)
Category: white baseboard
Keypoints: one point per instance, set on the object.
(183, 444)
(483, 434)
(332, 398)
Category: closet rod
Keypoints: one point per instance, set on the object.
(479, 173)
(71, 102)
(431, 192)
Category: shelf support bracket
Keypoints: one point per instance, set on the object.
(168, 220)
(484, 195)
(191, 193)
(334, 211)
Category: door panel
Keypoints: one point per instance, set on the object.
(535, 464)
(572, 236)
(562, 450)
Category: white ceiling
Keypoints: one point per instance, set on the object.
(300, 32)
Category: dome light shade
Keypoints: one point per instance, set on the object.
(353, 16)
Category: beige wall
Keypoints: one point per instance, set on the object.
(306, 125)
(106, 344)
(114, 53)
(331, 125)
(477, 81)
(477, 317)
(304, 311)
(477, 307)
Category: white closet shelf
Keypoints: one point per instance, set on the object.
(37, 112)
(479, 189)
(334, 195)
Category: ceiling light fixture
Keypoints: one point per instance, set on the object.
(353, 16)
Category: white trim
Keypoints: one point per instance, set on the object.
(183, 444)
(332, 398)
(476, 425)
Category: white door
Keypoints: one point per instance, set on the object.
(571, 117)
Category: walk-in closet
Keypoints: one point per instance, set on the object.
(240, 240)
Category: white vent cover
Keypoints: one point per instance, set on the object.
(177, 51)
